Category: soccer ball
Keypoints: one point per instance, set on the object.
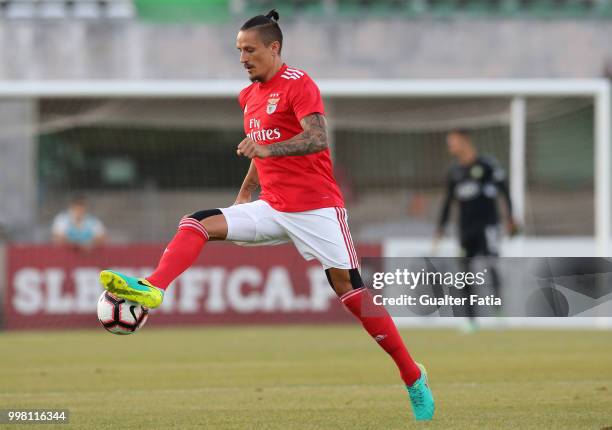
(120, 316)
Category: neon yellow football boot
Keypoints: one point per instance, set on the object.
(137, 290)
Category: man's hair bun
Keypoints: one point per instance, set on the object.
(273, 15)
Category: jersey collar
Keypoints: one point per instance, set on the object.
(275, 78)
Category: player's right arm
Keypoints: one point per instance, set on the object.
(249, 185)
(448, 200)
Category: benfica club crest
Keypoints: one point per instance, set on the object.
(272, 103)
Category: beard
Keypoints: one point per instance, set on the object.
(254, 78)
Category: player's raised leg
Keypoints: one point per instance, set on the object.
(193, 232)
(378, 323)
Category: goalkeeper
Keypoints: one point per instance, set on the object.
(475, 181)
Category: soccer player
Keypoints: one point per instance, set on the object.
(475, 181)
(287, 142)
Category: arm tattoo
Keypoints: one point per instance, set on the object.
(313, 139)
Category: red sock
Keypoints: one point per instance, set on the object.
(180, 253)
(381, 327)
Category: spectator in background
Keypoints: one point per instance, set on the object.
(76, 228)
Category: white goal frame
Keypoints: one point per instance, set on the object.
(515, 89)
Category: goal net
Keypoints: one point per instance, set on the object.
(165, 157)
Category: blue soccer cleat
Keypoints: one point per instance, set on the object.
(137, 290)
(421, 399)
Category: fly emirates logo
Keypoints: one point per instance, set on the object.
(258, 134)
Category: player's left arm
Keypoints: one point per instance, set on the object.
(500, 178)
(311, 140)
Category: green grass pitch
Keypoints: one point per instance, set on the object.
(296, 377)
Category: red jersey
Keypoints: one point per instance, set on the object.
(272, 114)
